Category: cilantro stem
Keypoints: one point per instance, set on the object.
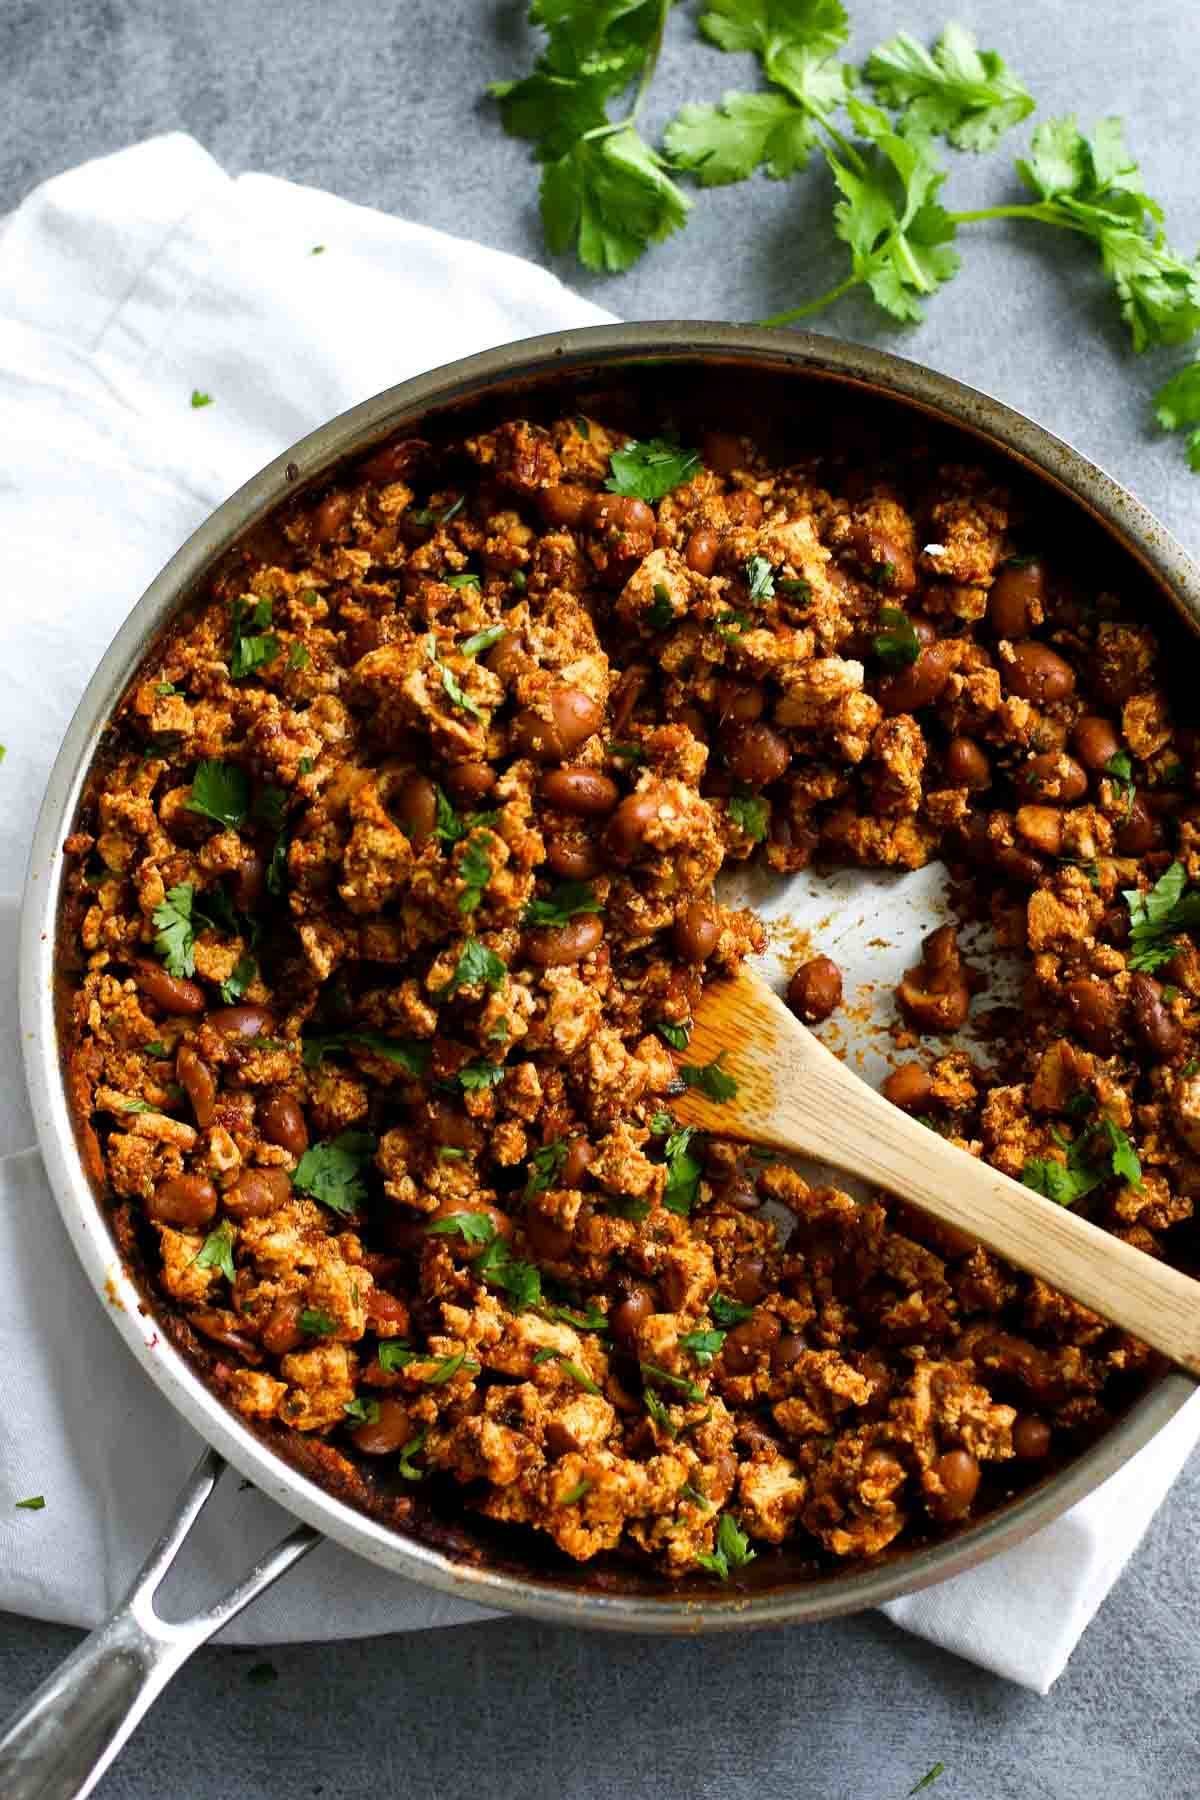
(812, 306)
(1028, 209)
(651, 63)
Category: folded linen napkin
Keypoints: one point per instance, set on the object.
(124, 285)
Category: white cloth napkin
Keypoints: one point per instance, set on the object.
(124, 285)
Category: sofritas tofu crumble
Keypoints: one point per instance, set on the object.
(393, 899)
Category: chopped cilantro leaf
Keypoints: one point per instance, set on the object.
(474, 1227)
(683, 1174)
(928, 1779)
(703, 1344)
(475, 870)
(362, 1409)
(476, 966)
(751, 814)
(298, 656)
(729, 1312)
(479, 1075)
(1157, 917)
(35, 1503)
(674, 1035)
(251, 646)
(243, 974)
(896, 644)
(393, 1355)
(710, 1079)
(316, 1322)
(413, 1447)
(407, 1053)
(1102, 1150)
(200, 398)
(577, 1492)
(216, 1252)
(732, 1552)
(463, 581)
(176, 934)
(333, 1173)
(545, 1166)
(568, 900)
(760, 578)
(648, 469)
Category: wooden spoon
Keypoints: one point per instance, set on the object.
(794, 1094)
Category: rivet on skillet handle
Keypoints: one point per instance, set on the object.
(64, 1738)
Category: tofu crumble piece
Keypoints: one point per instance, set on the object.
(391, 902)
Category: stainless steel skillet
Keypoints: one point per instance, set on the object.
(774, 375)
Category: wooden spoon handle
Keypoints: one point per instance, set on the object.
(799, 1097)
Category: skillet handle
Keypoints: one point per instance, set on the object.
(64, 1738)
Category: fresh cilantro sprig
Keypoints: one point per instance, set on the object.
(703, 1345)
(477, 966)
(545, 1167)
(648, 468)
(966, 95)
(683, 1173)
(896, 643)
(729, 1312)
(605, 193)
(751, 814)
(1157, 917)
(216, 1252)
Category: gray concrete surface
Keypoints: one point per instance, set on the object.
(377, 100)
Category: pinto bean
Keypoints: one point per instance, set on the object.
(257, 1192)
(547, 1239)
(563, 502)
(755, 752)
(921, 683)
(743, 508)
(1139, 831)
(1015, 600)
(250, 879)
(1031, 1438)
(617, 514)
(388, 1432)
(452, 1127)
(573, 857)
(700, 551)
(185, 1201)
(578, 1160)
(281, 1330)
(1053, 776)
(281, 1121)
(416, 807)
(935, 995)
(574, 716)
(739, 1190)
(199, 1084)
(910, 1087)
(626, 695)
(787, 1352)
(552, 945)
(1095, 740)
(395, 461)
(697, 930)
(1038, 673)
(737, 701)
(215, 1324)
(967, 765)
(748, 1282)
(468, 782)
(242, 1021)
(173, 993)
(623, 1321)
(1162, 1034)
(579, 790)
(333, 515)
(815, 990)
(629, 824)
(749, 1342)
(958, 1471)
(1095, 1008)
